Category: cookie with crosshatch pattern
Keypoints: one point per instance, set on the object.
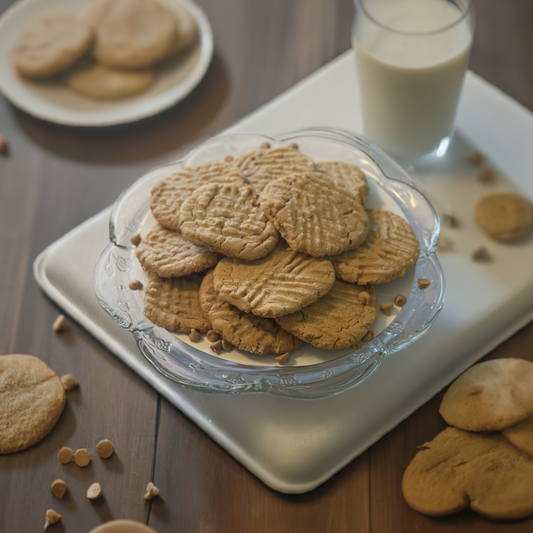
(349, 176)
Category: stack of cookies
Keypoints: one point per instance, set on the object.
(109, 49)
(269, 250)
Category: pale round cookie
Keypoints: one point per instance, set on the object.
(246, 331)
(167, 254)
(267, 164)
(174, 303)
(314, 214)
(168, 194)
(348, 176)
(390, 250)
(337, 320)
(504, 216)
(32, 399)
(94, 11)
(459, 469)
(226, 219)
(281, 283)
(521, 435)
(490, 396)
(50, 45)
(133, 33)
(186, 30)
(99, 81)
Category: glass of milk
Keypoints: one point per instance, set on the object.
(411, 58)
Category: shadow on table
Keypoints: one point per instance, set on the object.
(140, 141)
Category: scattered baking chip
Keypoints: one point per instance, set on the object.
(105, 449)
(265, 146)
(294, 146)
(82, 457)
(228, 158)
(195, 335)
(475, 158)
(450, 220)
(423, 283)
(486, 175)
(216, 346)
(481, 255)
(358, 345)
(3, 144)
(135, 285)
(59, 323)
(400, 300)
(59, 487)
(136, 240)
(226, 345)
(213, 336)
(386, 308)
(94, 492)
(369, 336)
(69, 382)
(364, 297)
(65, 455)
(151, 491)
(283, 358)
(51, 518)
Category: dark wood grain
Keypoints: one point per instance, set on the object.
(55, 177)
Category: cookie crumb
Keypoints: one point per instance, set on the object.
(283, 358)
(94, 491)
(51, 518)
(216, 346)
(481, 255)
(364, 297)
(475, 158)
(265, 146)
(195, 335)
(386, 308)
(136, 240)
(400, 300)
(450, 220)
(423, 283)
(369, 336)
(151, 491)
(228, 158)
(69, 382)
(294, 146)
(105, 449)
(445, 243)
(213, 336)
(82, 457)
(486, 175)
(226, 345)
(135, 285)
(59, 487)
(59, 324)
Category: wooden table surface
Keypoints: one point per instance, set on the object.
(55, 177)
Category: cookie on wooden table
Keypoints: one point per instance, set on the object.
(99, 81)
(504, 216)
(337, 320)
(246, 331)
(389, 251)
(133, 33)
(226, 219)
(349, 176)
(490, 396)
(168, 194)
(521, 435)
(174, 303)
(459, 469)
(281, 283)
(32, 399)
(314, 214)
(50, 45)
(167, 254)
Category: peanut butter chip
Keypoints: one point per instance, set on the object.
(400, 300)
(358, 345)
(475, 158)
(105, 449)
(450, 220)
(423, 283)
(59, 487)
(65, 455)
(481, 255)
(216, 346)
(226, 345)
(369, 336)
(486, 175)
(265, 146)
(386, 308)
(151, 491)
(82, 457)
(213, 336)
(228, 158)
(69, 382)
(51, 518)
(136, 240)
(364, 297)
(59, 324)
(283, 358)
(294, 146)
(94, 491)
(195, 335)
(135, 285)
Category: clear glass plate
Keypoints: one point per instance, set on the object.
(311, 372)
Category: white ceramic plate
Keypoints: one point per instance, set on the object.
(55, 102)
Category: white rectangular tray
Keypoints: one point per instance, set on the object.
(295, 445)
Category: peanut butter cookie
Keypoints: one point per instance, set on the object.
(349, 176)
(521, 435)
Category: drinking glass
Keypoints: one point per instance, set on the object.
(411, 60)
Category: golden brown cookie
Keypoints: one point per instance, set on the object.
(267, 164)
(246, 331)
(133, 33)
(314, 214)
(504, 217)
(281, 283)
(99, 81)
(459, 469)
(50, 45)
(174, 303)
(337, 320)
(167, 254)
(186, 30)
(226, 219)
(168, 194)
(389, 251)
(32, 399)
(521, 435)
(349, 176)
(490, 396)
